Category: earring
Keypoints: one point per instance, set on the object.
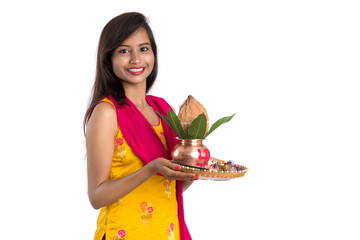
(108, 66)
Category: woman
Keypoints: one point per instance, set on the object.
(130, 177)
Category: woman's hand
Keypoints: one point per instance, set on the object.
(170, 170)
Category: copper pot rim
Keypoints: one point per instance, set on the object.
(191, 139)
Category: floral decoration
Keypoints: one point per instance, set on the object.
(120, 235)
(146, 212)
(167, 185)
(120, 141)
(170, 232)
(120, 151)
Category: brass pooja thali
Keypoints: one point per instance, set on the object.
(210, 174)
(194, 157)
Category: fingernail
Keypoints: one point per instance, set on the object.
(178, 167)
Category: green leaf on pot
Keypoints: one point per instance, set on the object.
(166, 120)
(218, 123)
(197, 127)
(175, 122)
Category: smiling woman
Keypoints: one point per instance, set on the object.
(133, 60)
(113, 46)
(130, 176)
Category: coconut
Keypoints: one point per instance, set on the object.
(190, 110)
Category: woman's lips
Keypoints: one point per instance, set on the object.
(136, 70)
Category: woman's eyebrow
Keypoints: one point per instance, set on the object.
(142, 44)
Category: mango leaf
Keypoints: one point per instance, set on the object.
(166, 120)
(175, 122)
(218, 123)
(197, 127)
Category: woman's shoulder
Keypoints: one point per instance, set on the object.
(105, 107)
(107, 100)
(104, 113)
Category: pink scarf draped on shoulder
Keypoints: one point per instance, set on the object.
(146, 144)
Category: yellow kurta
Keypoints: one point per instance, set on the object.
(149, 211)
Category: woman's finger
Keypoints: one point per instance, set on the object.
(172, 165)
(181, 176)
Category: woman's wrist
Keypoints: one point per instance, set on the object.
(152, 167)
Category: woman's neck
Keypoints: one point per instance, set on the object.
(137, 95)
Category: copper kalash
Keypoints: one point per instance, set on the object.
(191, 154)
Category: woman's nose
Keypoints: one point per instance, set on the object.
(134, 57)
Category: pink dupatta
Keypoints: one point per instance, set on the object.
(146, 144)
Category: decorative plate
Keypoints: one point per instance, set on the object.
(224, 172)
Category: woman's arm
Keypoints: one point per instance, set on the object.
(101, 131)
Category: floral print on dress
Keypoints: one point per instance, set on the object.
(146, 212)
(120, 151)
(120, 235)
(167, 185)
(170, 232)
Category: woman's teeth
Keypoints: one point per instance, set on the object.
(135, 69)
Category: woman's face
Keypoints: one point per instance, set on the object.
(133, 60)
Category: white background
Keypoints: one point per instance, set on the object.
(289, 69)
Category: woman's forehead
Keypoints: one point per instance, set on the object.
(139, 37)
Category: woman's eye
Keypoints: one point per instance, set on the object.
(124, 51)
(143, 49)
